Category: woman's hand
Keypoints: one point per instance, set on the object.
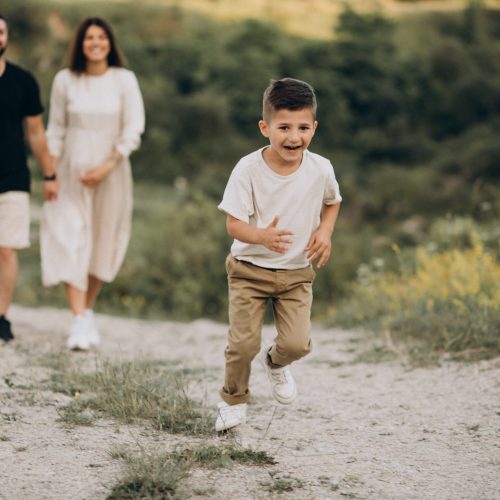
(94, 176)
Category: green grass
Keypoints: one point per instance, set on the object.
(154, 475)
(76, 414)
(376, 355)
(56, 360)
(284, 485)
(148, 390)
(440, 302)
(158, 474)
(213, 456)
(151, 391)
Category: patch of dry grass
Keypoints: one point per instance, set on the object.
(153, 391)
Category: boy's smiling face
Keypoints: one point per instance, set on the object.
(289, 132)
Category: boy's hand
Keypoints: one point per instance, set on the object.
(276, 240)
(319, 247)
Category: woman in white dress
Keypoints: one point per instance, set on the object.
(96, 119)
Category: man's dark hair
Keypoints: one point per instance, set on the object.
(288, 93)
(77, 60)
(3, 18)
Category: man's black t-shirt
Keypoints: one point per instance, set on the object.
(19, 97)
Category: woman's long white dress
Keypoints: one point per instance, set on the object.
(86, 231)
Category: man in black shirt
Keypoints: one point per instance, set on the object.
(20, 115)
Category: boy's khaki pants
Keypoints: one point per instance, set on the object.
(250, 287)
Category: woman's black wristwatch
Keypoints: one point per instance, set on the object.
(52, 177)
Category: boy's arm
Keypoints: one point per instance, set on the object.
(276, 240)
(320, 242)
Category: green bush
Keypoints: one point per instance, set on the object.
(445, 301)
(175, 265)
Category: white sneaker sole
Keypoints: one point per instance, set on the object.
(223, 425)
(78, 346)
(285, 401)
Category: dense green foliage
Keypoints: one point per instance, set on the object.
(445, 297)
(409, 113)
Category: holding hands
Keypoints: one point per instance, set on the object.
(50, 190)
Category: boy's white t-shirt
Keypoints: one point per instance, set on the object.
(256, 194)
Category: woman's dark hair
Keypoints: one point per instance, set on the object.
(77, 60)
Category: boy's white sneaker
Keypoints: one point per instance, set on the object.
(93, 334)
(282, 382)
(79, 334)
(230, 416)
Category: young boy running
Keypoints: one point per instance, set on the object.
(281, 203)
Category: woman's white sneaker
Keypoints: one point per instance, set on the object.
(282, 382)
(230, 416)
(79, 334)
(93, 335)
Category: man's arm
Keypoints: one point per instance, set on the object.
(320, 243)
(276, 240)
(35, 133)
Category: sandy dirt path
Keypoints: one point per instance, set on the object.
(357, 430)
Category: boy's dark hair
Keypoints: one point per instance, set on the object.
(2, 17)
(288, 93)
(77, 61)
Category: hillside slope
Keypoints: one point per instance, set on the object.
(308, 18)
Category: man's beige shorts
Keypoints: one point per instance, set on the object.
(14, 219)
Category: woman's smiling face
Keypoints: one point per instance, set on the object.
(96, 45)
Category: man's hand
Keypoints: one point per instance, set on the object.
(50, 190)
(319, 247)
(276, 240)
